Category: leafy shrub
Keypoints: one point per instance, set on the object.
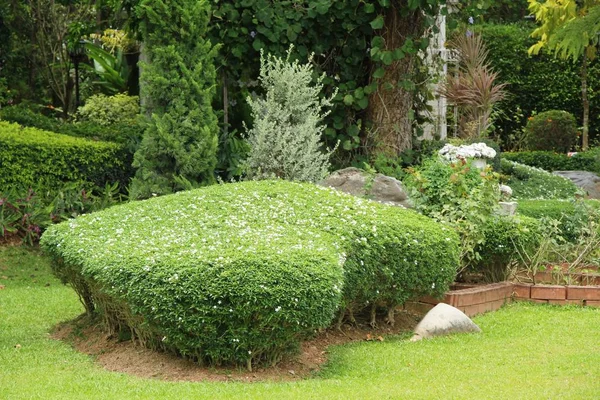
(26, 212)
(506, 240)
(533, 183)
(285, 141)
(572, 215)
(110, 110)
(456, 194)
(552, 130)
(31, 157)
(239, 273)
(551, 161)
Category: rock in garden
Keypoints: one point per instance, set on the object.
(378, 187)
(444, 319)
(588, 181)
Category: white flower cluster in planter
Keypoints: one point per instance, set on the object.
(475, 150)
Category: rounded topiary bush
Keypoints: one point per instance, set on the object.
(551, 130)
(240, 273)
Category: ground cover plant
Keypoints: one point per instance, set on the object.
(534, 183)
(239, 273)
(523, 352)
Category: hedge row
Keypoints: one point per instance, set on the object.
(551, 161)
(30, 157)
(572, 215)
(127, 134)
(534, 183)
(240, 273)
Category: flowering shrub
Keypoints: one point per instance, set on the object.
(456, 194)
(475, 150)
(535, 183)
(240, 273)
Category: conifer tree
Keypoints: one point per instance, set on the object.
(178, 82)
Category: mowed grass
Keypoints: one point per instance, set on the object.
(525, 352)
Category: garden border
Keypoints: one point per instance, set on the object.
(474, 300)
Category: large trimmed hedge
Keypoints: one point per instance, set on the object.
(240, 273)
(31, 157)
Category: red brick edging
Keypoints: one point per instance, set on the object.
(481, 299)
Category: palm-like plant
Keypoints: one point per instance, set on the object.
(474, 88)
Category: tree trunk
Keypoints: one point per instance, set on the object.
(390, 107)
(586, 105)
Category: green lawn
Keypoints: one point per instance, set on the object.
(524, 352)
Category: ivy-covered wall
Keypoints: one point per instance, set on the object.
(351, 44)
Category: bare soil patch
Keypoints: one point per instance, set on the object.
(129, 358)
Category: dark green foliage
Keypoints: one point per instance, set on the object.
(348, 43)
(551, 161)
(552, 130)
(240, 273)
(178, 84)
(536, 83)
(396, 167)
(30, 157)
(507, 240)
(573, 215)
(533, 183)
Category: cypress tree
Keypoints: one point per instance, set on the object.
(178, 83)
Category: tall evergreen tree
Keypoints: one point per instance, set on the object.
(178, 82)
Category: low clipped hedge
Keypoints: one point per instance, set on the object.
(573, 215)
(127, 133)
(507, 241)
(240, 273)
(551, 161)
(529, 182)
(36, 158)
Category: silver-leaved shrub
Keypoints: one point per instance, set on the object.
(286, 137)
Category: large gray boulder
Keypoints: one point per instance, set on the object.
(378, 187)
(444, 319)
(588, 181)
